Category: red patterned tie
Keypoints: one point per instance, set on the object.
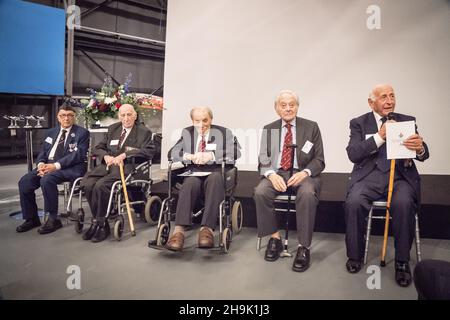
(202, 145)
(286, 157)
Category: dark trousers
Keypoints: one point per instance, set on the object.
(193, 187)
(306, 201)
(432, 280)
(357, 205)
(97, 186)
(49, 185)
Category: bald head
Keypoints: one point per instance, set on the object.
(382, 99)
(127, 115)
(374, 93)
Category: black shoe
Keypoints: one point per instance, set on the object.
(28, 225)
(102, 233)
(301, 261)
(353, 266)
(51, 225)
(89, 233)
(273, 250)
(402, 274)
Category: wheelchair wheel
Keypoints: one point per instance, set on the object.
(163, 234)
(226, 240)
(118, 228)
(152, 210)
(237, 217)
(79, 222)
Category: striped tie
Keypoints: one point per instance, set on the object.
(286, 157)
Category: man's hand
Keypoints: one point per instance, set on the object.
(382, 131)
(188, 157)
(40, 172)
(108, 160)
(277, 182)
(202, 157)
(119, 159)
(297, 178)
(414, 142)
(46, 168)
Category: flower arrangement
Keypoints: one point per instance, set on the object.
(107, 102)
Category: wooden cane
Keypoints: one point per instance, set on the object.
(127, 202)
(388, 207)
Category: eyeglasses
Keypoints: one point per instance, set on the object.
(66, 115)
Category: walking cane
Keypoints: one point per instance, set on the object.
(285, 252)
(390, 116)
(388, 208)
(127, 202)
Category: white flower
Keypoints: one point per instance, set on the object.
(91, 103)
(110, 100)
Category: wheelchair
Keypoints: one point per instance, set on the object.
(143, 204)
(230, 210)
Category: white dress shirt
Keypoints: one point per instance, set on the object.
(55, 145)
(378, 139)
(294, 141)
(128, 130)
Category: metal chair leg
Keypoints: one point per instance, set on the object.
(419, 254)
(258, 243)
(369, 227)
(66, 191)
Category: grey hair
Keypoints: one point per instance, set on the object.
(289, 92)
(203, 109)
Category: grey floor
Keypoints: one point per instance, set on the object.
(33, 266)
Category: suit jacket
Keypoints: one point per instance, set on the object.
(137, 144)
(271, 144)
(225, 145)
(364, 152)
(75, 149)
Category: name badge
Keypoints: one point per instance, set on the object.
(114, 142)
(211, 147)
(307, 146)
(49, 140)
(369, 135)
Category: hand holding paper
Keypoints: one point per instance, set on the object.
(414, 142)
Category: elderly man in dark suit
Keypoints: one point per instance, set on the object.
(274, 166)
(123, 141)
(63, 158)
(369, 182)
(202, 147)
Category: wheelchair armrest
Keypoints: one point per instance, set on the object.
(231, 178)
(134, 159)
(141, 168)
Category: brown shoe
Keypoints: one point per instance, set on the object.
(176, 242)
(205, 238)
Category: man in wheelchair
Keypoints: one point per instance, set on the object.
(124, 142)
(203, 148)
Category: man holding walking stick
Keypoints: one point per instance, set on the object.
(124, 140)
(370, 179)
